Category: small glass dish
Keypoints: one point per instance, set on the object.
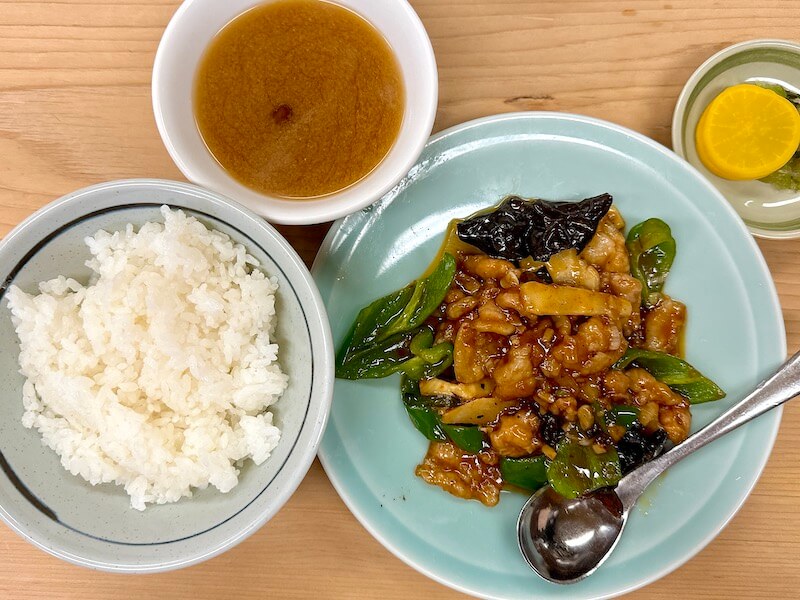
(767, 211)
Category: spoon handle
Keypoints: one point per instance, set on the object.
(780, 387)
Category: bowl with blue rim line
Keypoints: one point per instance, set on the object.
(767, 210)
(95, 526)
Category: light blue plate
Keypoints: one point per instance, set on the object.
(735, 335)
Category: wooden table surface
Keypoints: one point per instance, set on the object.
(75, 110)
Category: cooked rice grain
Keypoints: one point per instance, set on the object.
(158, 374)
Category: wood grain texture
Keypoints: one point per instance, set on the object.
(75, 110)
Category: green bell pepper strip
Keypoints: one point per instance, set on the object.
(410, 353)
(427, 422)
(398, 313)
(422, 412)
(679, 375)
(428, 294)
(578, 469)
(622, 415)
(373, 320)
(467, 437)
(652, 249)
(529, 473)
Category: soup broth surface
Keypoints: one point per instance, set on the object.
(299, 98)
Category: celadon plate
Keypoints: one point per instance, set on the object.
(734, 335)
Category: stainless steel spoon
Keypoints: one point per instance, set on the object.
(566, 540)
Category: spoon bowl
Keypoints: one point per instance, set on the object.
(565, 540)
(561, 537)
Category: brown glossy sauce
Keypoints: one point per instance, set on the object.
(299, 98)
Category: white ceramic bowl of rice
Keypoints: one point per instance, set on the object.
(167, 368)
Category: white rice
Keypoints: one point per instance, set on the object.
(158, 374)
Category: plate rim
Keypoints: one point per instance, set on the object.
(325, 250)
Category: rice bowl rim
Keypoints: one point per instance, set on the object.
(300, 456)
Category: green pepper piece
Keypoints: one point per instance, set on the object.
(421, 412)
(578, 469)
(378, 360)
(372, 320)
(429, 360)
(652, 250)
(388, 325)
(422, 345)
(410, 353)
(419, 367)
(679, 375)
(529, 473)
(427, 296)
(467, 437)
(426, 421)
(622, 415)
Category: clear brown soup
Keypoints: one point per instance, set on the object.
(299, 98)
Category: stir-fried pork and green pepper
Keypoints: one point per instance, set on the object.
(539, 348)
